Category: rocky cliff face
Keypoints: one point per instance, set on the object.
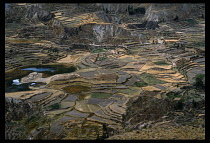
(36, 12)
(115, 8)
(102, 32)
(155, 13)
(169, 12)
(148, 14)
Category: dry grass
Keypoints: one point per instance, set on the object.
(165, 133)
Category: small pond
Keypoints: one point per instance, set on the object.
(19, 87)
(40, 69)
(12, 78)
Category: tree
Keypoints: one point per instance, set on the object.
(130, 10)
(176, 18)
(106, 10)
(199, 81)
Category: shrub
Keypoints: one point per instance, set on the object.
(191, 21)
(55, 106)
(140, 84)
(199, 81)
(139, 10)
(179, 105)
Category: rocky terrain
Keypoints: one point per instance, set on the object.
(104, 71)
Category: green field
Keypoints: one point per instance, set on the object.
(161, 63)
(150, 79)
(140, 84)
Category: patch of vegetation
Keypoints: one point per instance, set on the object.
(200, 76)
(55, 106)
(139, 10)
(199, 44)
(20, 129)
(199, 81)
(150, 79)
(98, 50)
(161, 63)
(11, 123)
(191, 21)
(147, 108)
(32, 122)
(76, 89)
(101, 95)
(101, 58)
(82, 96)
(179, 105)
(172, 95)
(140, 84)
(128, 91)
(128, 129)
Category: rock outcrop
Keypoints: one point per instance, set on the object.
(36, 12)
(64, 77)
(31, 77)
(169, 12)
(115, 8)
(104, 31)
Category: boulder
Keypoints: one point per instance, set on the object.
(31, 77)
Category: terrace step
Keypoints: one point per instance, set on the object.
(82, 66)
(117, 109)
(106, 103)
(108, 87)
(100, 120)
(101, 114)
(110, 116)
(132, 80)
(54, 100)
(39, 96)
(76, 113)
(191, 68)
(188, 65)
(104, 91)
(53, 97)
(123, 78)
(109, 112)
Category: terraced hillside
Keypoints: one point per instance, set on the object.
(110, 80)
